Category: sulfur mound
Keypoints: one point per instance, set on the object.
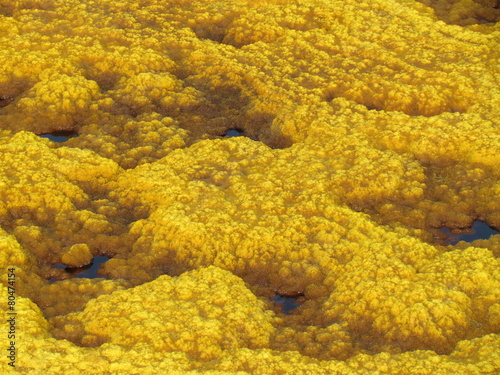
(201, 313)
(368, 126)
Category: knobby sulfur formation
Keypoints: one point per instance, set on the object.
(368, 126)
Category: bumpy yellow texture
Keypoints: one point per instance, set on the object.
(369, 125)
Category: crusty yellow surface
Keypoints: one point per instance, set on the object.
(368, 126)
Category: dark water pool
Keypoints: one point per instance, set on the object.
(287, 304)
(233, 133)
(89, 271)
(58, 137)
(479, 231)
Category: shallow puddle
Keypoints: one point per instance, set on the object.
(233, 133)
(287, 304)
(479, 231)
(88, 271)
(58, 137)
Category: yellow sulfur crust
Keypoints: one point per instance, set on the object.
(368, 126)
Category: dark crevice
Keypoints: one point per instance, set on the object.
(217, 37)
(5, 101)
(7, 10)
(215, 30)
(105, 80)
(454, 12)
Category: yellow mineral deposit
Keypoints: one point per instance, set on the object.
(366, 126)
